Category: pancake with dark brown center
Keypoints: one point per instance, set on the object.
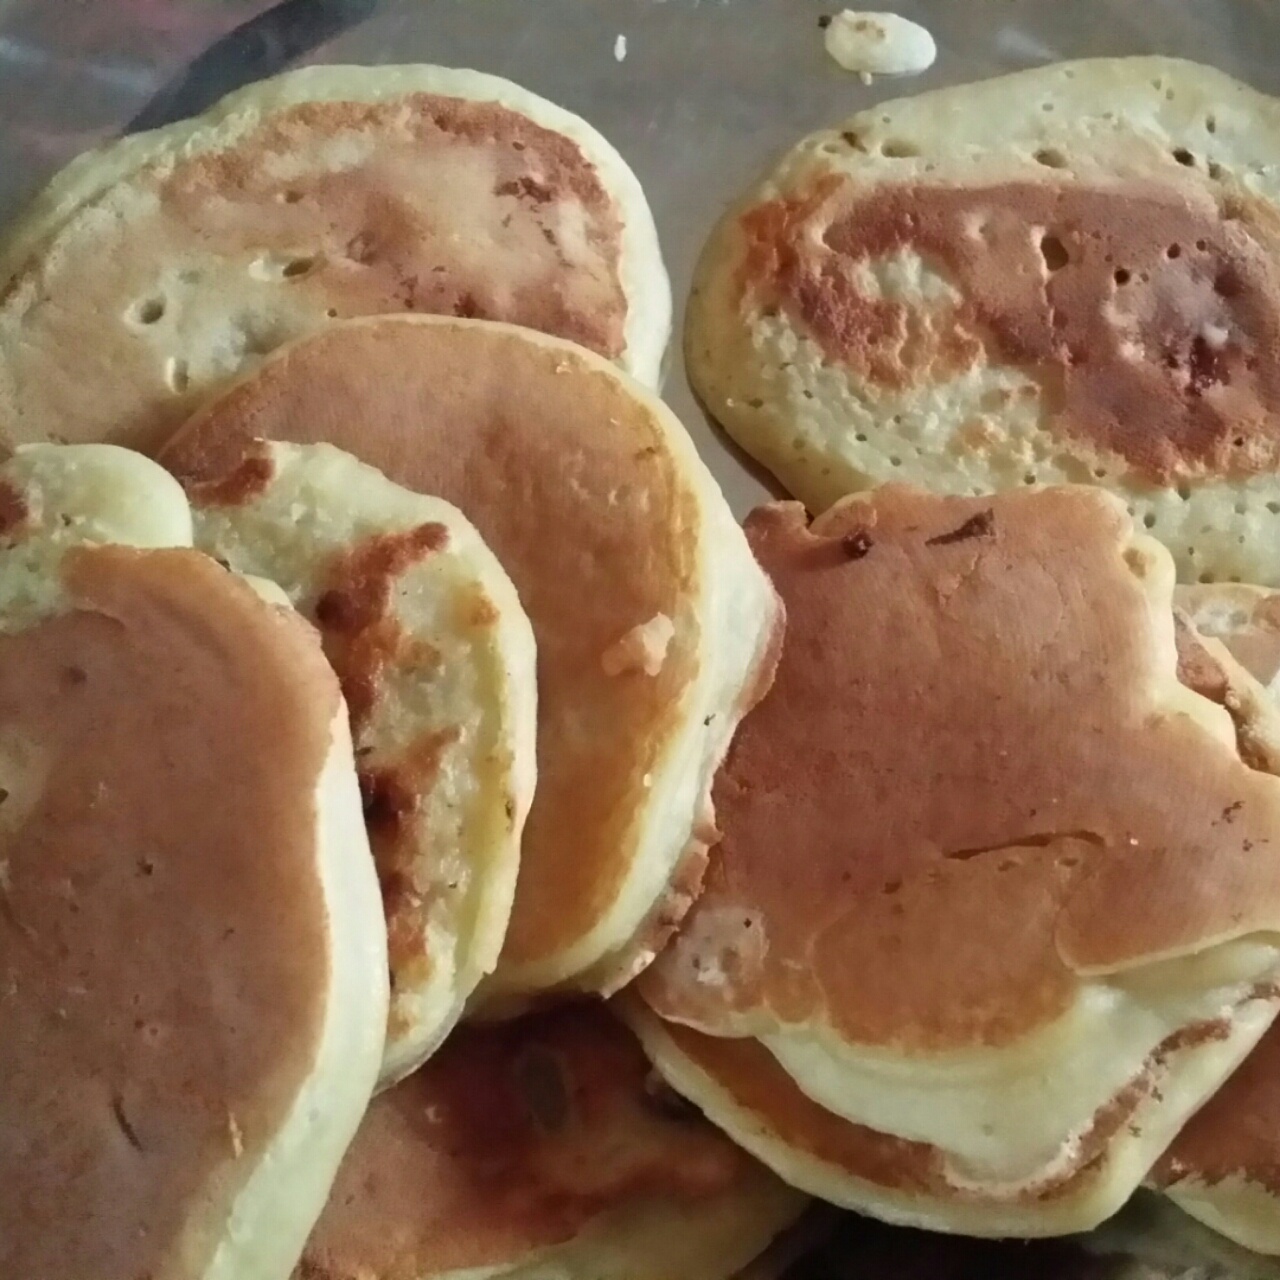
(152, 272)
(991, 879)
(1071, 274)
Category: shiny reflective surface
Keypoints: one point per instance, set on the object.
(707, 93)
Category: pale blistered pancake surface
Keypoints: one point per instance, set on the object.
(437, 663)
(978, 836)
(848, 328)
(154, 271)
(655, 628)
(542, 1144)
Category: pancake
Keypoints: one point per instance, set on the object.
(991, 876)
(192, 958)
(156, 269)
(740, 1086)
(848, 328)
(437, 663)
(539, 1148)
(656, 629)
(1224, 1167)
(1244, 618)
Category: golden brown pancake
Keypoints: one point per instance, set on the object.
(655, 628)
(1068, 274)
(153, 271)
(981, 847)
(542, 1146)
(191, 949)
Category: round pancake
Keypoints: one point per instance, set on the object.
(986, 862)
(1245, 618)
(438, 667)
(655, 627)
(848, 328)
(539, 1148)
(192, 957)
(155, 270)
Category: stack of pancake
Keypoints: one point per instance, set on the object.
(403, 707)
(400, 748)
(961, 960)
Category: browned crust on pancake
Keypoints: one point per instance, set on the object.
(1250, 629)
(569, 480)
(1146, 311)
(250, 478)
(275, 238)
(13, 509)
(513, 1138)
(355, 614)
(756, 1082)
(362, 638)
(1237, 1132)
(534, 165)
(1206, 665)
(922, 666)
(164, 957)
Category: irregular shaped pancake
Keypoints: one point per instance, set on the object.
(655, 627)
(993, 882)
(192, 958)
(155, 270)
(1224, 1167)
(538, 1148)
(1068, 274)
(437, 662)
(1246, 619)
(742, 1088)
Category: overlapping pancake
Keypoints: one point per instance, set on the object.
(437, 662)
(193, 963)
(1068, 274)
(541, 1148)
(155, 270)
(656, 629)
(995, 887)
(1224, 1167)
